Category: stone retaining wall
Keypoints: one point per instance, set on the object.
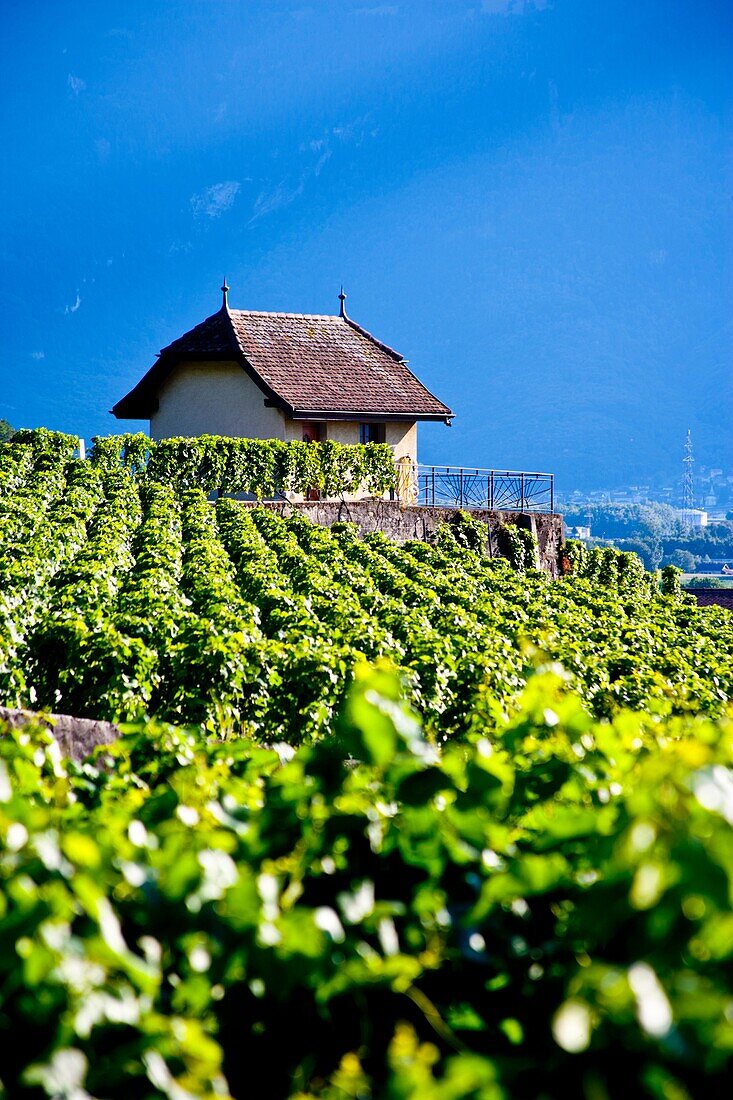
(77, 737)
(401, 523)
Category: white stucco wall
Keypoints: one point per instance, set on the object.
(342, 431)
(214, 399)
(220, 399)
(402, 438)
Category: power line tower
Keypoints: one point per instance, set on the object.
(688, 491)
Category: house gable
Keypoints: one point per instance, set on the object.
(213, 398)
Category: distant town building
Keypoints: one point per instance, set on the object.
(693, 517)
(578, 532)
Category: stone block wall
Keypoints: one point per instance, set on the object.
(76, 737)
(402, 522)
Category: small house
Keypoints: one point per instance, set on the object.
(289, 376)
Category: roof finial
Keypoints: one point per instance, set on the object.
(225, 291)
(342, 299)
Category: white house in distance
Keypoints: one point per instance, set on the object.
(283, 376)
(693, 517)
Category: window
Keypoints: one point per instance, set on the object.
(372, 433)
(313, 432)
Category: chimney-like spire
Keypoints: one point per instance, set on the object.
(224, 291)
(342, 299)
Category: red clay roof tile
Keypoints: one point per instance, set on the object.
(713, 597)
(308, 364)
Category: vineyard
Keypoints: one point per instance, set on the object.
(127, 597)
(523, 871)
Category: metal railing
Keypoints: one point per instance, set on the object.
(497, 490)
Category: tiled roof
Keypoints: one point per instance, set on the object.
(213, 336)
(307, 364)
(711, 597)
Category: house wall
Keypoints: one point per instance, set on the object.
(221, 399)
(401, 435)
(402, 438)
(214, 399)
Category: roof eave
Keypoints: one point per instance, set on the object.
(135, 406)
(358, 414)
(121, 412)
(142, 401)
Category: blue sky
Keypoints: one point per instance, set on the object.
(530, 199)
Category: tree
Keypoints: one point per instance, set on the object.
(648, 549)
(615, 521)
(7, 431)
(684, 560)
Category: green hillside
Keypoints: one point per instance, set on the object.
(423, 824)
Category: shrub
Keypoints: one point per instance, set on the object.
(671, 585)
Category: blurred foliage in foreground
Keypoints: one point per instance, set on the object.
(541, 909)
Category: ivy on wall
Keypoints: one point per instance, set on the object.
(519, 546)
(259, 467)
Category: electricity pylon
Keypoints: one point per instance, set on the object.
(688, 491)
